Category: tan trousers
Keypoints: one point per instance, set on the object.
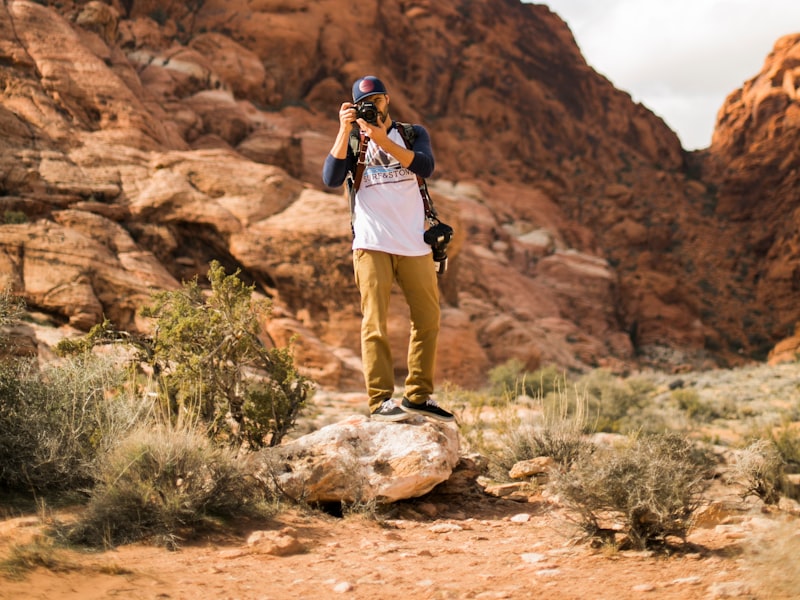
(375, 273)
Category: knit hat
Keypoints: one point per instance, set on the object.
(367, 86)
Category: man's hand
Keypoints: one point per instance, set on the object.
(347, 116)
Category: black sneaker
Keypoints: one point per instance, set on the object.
(429, 408)
(388, 411)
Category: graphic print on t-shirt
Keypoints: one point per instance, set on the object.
(382, 168)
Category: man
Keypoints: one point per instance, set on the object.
(388, 227)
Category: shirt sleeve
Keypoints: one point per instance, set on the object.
(423, 162)
(334, 170)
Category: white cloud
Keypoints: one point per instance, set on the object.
(680, 58)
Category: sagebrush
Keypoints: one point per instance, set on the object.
(162, 484)
(646, 488)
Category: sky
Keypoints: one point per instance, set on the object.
(680, 58)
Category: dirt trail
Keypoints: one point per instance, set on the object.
(475, 547)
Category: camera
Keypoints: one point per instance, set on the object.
(437, 237)
(368, 111)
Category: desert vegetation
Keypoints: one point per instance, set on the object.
(152, 433)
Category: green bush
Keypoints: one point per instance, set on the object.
(511, 378)
(555, 428)
(56, 420)
(616, 403)
(209, 361)
(161, 484)
(14, 217)
(787, 442)
(647, 488)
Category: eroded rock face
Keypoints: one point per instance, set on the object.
(755, 161)
(142, 141)
(358, 460)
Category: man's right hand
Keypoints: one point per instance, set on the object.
(347, 116)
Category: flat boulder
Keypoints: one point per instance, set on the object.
(359, 460)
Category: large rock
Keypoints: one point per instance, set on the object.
(359, 460)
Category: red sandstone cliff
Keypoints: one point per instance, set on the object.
(143, 140)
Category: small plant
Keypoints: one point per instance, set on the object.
(615, 401)
(554, 427)
(161, 484)
(56, 420)
(210, 361)
(510, 378)
(787, 442)
(647, 488)
(14, 217)
(11, 307)
(41, 551)
(760, 468)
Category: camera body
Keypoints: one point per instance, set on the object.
(437, 237)
(368, 111)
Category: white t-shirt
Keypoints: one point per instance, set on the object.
(389, 214)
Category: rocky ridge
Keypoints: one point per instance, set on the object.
(143, 141)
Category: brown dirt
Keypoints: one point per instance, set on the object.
(469, 547)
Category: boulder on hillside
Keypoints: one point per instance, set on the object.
(359, 460)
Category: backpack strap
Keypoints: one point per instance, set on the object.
(409, 136)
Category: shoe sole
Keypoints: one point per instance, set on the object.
(425, 413)
(389, 418)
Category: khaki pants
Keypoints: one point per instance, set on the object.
(375, 273)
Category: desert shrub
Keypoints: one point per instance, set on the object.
(14, 217)
(555, 428)
(56, 420)
(787, 442)
(646, 488)
(615, 402)
(209, 360)
(162, 483)
(41, 551)
(511, 378)
(760, 469)
(11, 308)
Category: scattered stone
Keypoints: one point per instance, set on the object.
(343, 587)
(520, 518)
(686, 581)
(276, 543)
(547, 572)
(533, 557)
(644, 587)
(529, 468)
(445, 528)
(729, 589)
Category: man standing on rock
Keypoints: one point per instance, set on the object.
(388, 219)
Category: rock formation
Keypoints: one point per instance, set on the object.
(362, 461)
(143, 140)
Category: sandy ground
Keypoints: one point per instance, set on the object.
(443, 546)
(469, 547)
